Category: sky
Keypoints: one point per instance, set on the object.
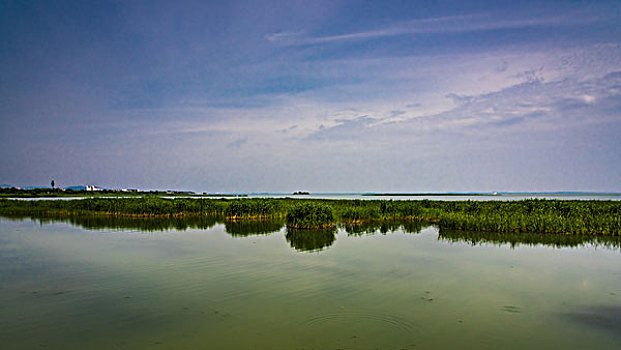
(321, 96)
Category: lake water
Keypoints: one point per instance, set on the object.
(454, 197)
(128, 284)
(443, 197)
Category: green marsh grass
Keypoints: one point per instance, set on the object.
(580, 217)
(258, 208)
(310, 216)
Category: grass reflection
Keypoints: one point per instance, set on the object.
(529, 239)
(310, 240)
(315, 240)
(244, 228)
(384, 227)
(99, 222)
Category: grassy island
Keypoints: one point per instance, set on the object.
(310, 216)
(584, 217)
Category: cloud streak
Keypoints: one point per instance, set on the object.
(532, 105)
(447, 25)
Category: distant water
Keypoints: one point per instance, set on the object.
(455, 196)
(372, 196)
(203, 284)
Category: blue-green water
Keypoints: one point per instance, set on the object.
(216, 286)
(501, 196)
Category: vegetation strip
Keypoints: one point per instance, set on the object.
(590, 217)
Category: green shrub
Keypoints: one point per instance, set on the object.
(310, 216)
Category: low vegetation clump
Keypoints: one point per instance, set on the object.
(310, 216)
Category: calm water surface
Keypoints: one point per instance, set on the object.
(213, 286)
(454, 197)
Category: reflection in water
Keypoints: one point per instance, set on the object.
(243, 228)
(531, 239)
(149, 224)
(384, 227)
(605, 317)
(65, 288)
(310, 240)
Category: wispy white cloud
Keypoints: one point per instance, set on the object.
(521, 108)
(447, 24)
(461, 90)
(283, 36)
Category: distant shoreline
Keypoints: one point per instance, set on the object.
(62, 193)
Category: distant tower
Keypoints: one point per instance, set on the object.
(52, 183)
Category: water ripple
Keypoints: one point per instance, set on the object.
(393, 321)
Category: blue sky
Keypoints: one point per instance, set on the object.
(324, 96)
